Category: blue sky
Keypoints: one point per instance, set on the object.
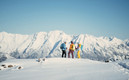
(94, 17)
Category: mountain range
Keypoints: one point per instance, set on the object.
(43, 44)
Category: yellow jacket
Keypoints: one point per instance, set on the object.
(72, 47)
(79, 45)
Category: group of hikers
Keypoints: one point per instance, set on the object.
(72, 48)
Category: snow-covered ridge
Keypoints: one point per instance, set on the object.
(45, 44)
(62, 69)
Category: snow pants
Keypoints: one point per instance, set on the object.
(63, 53)
(78, 54)
(70, 51)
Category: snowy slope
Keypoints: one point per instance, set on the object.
(44, 44)
(62, 69)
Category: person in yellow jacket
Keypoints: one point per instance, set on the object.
(71, 49)
(78, 50)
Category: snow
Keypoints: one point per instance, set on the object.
(62, 69)
(43, 44)
(47, 44)
(124, 66)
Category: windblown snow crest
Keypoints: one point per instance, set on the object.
(44, 44)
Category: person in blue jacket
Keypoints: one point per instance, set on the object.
(63, 48)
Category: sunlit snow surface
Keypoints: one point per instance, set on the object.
(64, 69)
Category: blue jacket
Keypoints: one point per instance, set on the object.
(63, 46)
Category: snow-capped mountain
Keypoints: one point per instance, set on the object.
(44, 44)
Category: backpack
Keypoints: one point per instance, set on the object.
(81, 47)
(61, 47)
